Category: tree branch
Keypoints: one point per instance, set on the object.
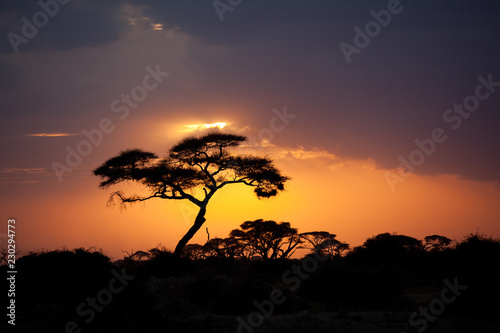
(243, 180)
(186, 195)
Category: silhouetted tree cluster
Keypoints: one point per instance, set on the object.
(266, 240)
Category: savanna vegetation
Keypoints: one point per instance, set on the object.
(210, 285)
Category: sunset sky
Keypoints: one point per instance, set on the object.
(340, 94)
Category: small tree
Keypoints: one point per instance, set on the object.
(268, 239)
(203, 163)
(436, 242)
(159, 251)
(392, 243)
(317, 238)
(140, 255)
(194, 251)
(228, 248)
(337, 249)
(324, 243)
(3, 256)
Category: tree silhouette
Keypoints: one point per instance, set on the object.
(3, 256)
(436, 242)
(194, 251)
(324, 243)
(337, 249)
(318, 239)
(229, 248)
(392, 243)
(268, 239)
(196, 162)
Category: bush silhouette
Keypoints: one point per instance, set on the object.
(62, 275)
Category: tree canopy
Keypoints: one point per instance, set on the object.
(324, 243)
(202, 163)
(268, 239)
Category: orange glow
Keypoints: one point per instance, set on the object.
(351, 200)
(197, 127)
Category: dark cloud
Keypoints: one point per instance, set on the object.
(75, 24)
(274, 53)
(10, 76)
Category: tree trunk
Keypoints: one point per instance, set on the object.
(198, 222)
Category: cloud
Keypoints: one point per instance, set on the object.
(71, 26)
(21, 175)
(302, 153)
(317, 156)
(23, 171)
(7, 181)
(267, 53)
(203, 127)
(76, 24)
(136, 18)
(53, 135)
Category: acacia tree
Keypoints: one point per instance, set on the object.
(194, 251)
(325, 243)
(436, 242)
(224, 248)
(392, 243)
(269, 239)
(196, 163)
(318, 238)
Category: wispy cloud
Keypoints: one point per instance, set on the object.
(21, 176)
(302, 153)
(284, 152)
(201, 127)
(137, 19)
(53, 135)
(236, 128)
(329, 160)
(21, 170)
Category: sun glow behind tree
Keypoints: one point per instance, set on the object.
(196, 127)
(203, 162)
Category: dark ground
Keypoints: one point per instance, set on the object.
(365, 291)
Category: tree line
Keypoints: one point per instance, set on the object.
(271, 240)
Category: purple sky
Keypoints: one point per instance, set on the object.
(264, 54)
